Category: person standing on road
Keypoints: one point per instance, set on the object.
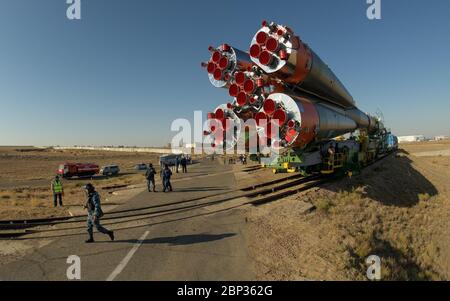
(95, 213)
(177, 163)
(184, 164)
(58, 191)
(166, 173)
(150, 175)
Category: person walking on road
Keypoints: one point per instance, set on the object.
(95, 213)
(166, 173)
(150, 175)
(184, 164)
(58, 191)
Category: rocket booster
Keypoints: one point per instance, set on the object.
(282, 54)
(286, 88)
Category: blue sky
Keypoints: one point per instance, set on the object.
(128, 68)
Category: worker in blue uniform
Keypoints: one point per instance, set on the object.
(150, 176)
(95, 213)
(166, 173)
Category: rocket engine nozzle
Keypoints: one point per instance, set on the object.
(224, 62)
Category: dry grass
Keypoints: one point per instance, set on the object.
(36, 201)
(16, 164)
(424, 197)
(25, 194)
(398, 210)
(324, 205)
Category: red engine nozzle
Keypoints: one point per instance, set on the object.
(226, 47)
(255, 51)
(216, 56)
(269, 107)
(272, 45)
(265, 58)
(259, 117)
(249, 86)
(234, 90)
(281, 116)
(261, 38)
(218, 74)
(211, 67)
(242, 99)
(224, 62)
(239, 77)
(219, 114)
(291, 123)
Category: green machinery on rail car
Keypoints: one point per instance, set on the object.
(348, 156)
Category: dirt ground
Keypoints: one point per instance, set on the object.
(26, 173)
(397, 209)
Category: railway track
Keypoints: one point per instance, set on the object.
(232, 194)
(247, 196)
(120, 219)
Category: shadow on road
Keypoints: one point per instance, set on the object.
(205, 188)
(181, 239)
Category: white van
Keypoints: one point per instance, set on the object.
(110, 170)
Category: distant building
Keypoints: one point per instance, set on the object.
(414, 138)
(192, 145)
(440, 138)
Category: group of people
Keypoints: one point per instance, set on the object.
(183, 161)
(165, 174)
(93, 204)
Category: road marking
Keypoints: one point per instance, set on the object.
(127, 258)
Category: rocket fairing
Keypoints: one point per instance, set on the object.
(282, 84)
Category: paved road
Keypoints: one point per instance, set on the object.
(205, 247)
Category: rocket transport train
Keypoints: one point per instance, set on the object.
(282, 84)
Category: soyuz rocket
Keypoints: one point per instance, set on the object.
(281, 83)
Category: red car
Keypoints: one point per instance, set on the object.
(68, 170)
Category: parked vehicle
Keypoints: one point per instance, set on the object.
(141, 166)
(170, 160)
(110, 170)
(69, 170)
